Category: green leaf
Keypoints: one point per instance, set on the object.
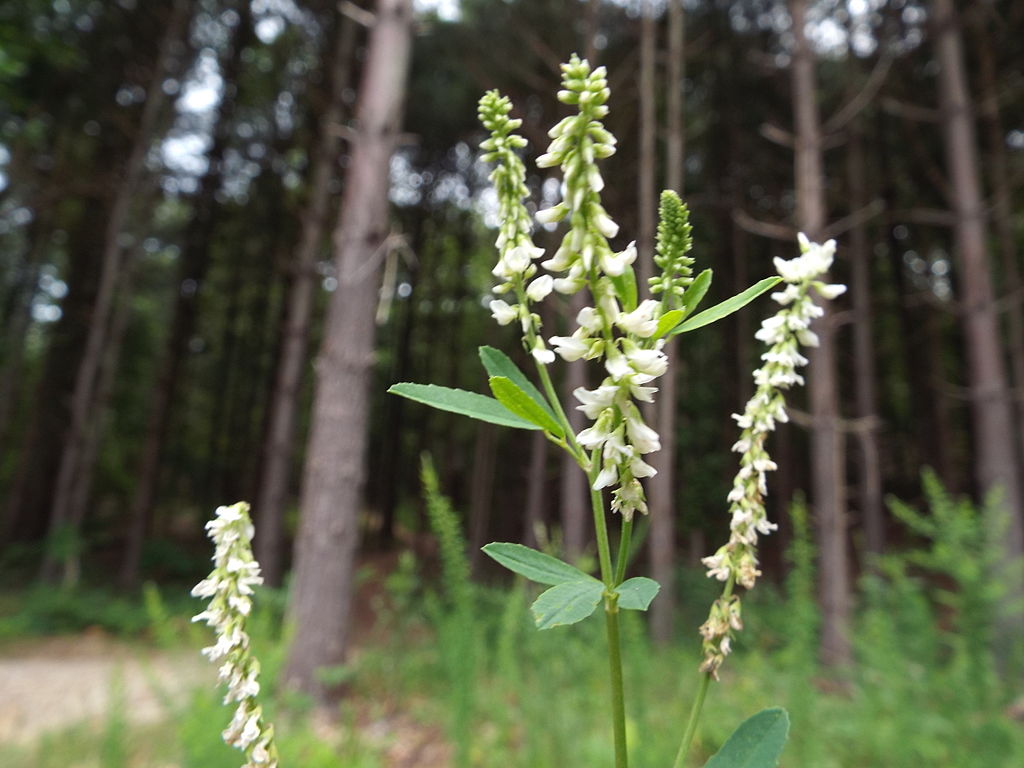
(534, 565)
(522, 405)
(625, 287)
(757, 743)
(636, 594)
(567, 603)
(497, 363)
(695, 293)
(727, 307)
(668, 321)
(479, 407)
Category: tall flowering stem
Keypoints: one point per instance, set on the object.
(735, 562)
(618, 329)
(229, 588)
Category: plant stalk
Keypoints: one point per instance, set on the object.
(691, 726)
(611, 614)
(698, 702)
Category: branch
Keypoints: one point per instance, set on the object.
(936, 217)
(867, 92)
(911, 111)
(763, 228)
(856, 218)
(359, 15)
(848, 426)
(778, 135)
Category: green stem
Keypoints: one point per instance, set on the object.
(611, 614)
(691, 726)
(600, 525)
(625, 542)
(702, 692)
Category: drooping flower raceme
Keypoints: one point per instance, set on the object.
(230, 587)
(618, 329)
(784, 333)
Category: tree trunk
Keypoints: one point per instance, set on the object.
(869, 482)
(87, 378)
(662, 487)
(536, 482)
(827, 461)
(1003, 214)
(995, 450)
(279, 441)
(334, 473)
(195, 261)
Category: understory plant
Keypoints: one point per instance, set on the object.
(624, 329)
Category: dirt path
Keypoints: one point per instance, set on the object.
(55, 683)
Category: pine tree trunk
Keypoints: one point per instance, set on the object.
(195, 261)
(827, 449)
(1003, 214)
(334, 473)
(869, 482)
(995, 450)
(662, 487)
(279, 441)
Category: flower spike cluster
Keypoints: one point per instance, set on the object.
(674, 243)
(515, 245)
(617, 329)
(229, 587)
(784, 333)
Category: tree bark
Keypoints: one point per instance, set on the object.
(663, 493)
(827, 449)
(334, 473)
(87, 378)
(869, 482)
(195, 261)
(995, 450)
(279, 441)
(1003, 214)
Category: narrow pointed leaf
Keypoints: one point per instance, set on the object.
(757, 743)
(637, 593)
(696, 292)
(534, 565)
(625, 286)
(567, 603)
(727, 307)
(479, 407)
(668, 321)
(522, 405)
(497, 363)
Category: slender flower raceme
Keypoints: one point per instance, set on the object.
(230, 587)
(784, 333)
(516, 251)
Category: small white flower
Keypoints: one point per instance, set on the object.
(595, 400)
(540, 288)
(615, 264)
(503, 312)
(605, 225)
(589, 319)
(552, 215)
(641, 321)
(542, 354)
(571, 348)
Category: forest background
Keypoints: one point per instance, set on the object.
(227, 226)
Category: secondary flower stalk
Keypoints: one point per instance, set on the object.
(784, 333)
(230, 587)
